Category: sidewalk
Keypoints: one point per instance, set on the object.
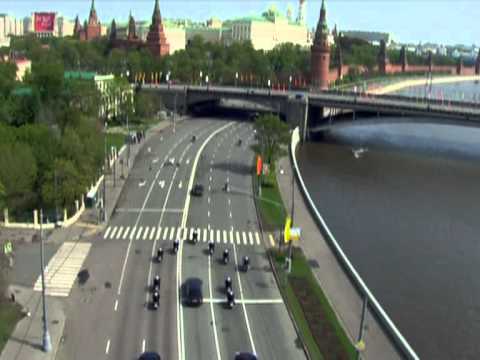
(338, 288)
(26, 340)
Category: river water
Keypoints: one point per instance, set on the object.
(406, 212)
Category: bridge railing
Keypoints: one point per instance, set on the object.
(391, 330)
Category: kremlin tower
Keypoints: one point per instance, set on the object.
(156, 40)
(320, 53)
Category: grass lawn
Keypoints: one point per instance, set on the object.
(115, 139)
(271, 204)
(322, 334)
(10, 314)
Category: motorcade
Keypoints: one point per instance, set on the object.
(193, 294)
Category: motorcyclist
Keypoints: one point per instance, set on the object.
(230, 297)
(156, 283)
(228, 283)
(211, 246)
(226, 256)
(246, 262)
(159, 254)
(176, 245)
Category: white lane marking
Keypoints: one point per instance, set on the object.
(229, 201)
(244, 236)
(211, 169)
(132, 234)
(199, 234)
(143, 346)
(250, 237)
(180, 332)
(188, 161)
(208, 213)
(218, 236)
(238, 237)
(180, 233)
(241, 299)
(119, 234)
(191, 233)
(107, 232)
(215, 335)
(210, 178)
(145, 234)
(245, 301)
(107, 349)
(114, 231)
(115, 306)
(209, 188)
(172, 232)
(159, 233)
(204, 235)
(165, 232)
(208, 199)
(180, 184)
(139, 233)
(225, 239)
(211, 162)
(230, 215)
(152, 232)
(161, 183)
(257, 238)
(231, 237)
(125, 234)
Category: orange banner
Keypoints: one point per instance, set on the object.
(259, 165)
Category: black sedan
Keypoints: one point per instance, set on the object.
(197, 190)
(192, 292)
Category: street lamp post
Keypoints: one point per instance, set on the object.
(128, 128)
(201, 77)
(206, 80)
(236, 78)
(46, 340)
(105, 174)
(290, 82)
(269, 83)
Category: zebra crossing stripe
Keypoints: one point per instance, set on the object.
(212, 238)
(191, 233)
(172, 233)
(205, 235)
(139, 233)
(145, 234)
(159, 233)
(225, 239)
(152, 233)
(238, 237)
(199, 233)
(218, 236)
(180, 233)
(231, 237)
(107, 232)
(125, 234)
(114, 231)
(132, 234)
(165, 232)
(257, 238)
(244, 237)
(250, 237)
(119, 234)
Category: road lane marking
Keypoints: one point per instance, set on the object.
(218, 236)
(208, 213)
(231, 237)
(114, 231)
(230, 215)
(250, 237)
(152, 232)
(107, 232)
(125, 234)
(215, 335)
(205, 235)
(188, 161)
(172, 233)
(139, 233)
(119, 233)
(132, 234)
(208, 199)
(209, 188)
(116, 305)
(143, 346)
(225, 239)
(180, 184)
(257, 238)
(165, 232)
(244, 237)
(238, 237)
(210, 178)
(159, 233)
(247, 322)
(145, 234)
(180, 233)
(245, 301)
(211, 169)
(272, 240)
(229, 201)
(180, 330)
(161, 183)
(107, 349)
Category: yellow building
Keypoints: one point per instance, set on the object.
(269, 30)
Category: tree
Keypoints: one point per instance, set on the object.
(272, 135)
(3, 196)
(146, 105)
(47, 79)
(8, 73)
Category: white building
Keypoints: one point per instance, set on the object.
(9, 25)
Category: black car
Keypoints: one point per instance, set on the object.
(149, 356)
(245, 356)
(193, 292)
(197, 190)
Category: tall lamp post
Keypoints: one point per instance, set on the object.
(201, 77)
(46, 340)
(128, 128)
(105, 174)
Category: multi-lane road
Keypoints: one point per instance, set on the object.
(111, 317)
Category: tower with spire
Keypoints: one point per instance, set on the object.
(156, 40)
(301, 12)
(132, 31)
(320, 53)
(94, 27)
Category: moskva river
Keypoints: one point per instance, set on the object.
(406, 210)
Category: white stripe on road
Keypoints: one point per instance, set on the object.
(172, 233)
(115, 307)
(218, 236)
(132, 234)
(107, 232)
(125, 234)
(238, 237)
(205, 235)
(225, 239)
(139, 233)
(120, 230)
(272, 240)
(231, 237)
(143, 346)
(145, 234)
(257, 238)
(165, 233)
(180, 184)
(250, 237)
(159, 233)
(112, 236)
(107, 349)
(244, 236)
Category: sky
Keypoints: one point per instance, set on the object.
(440, 21)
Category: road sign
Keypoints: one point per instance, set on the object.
(8, 248)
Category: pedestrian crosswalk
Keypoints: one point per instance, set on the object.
(170, 233)
(63, 268)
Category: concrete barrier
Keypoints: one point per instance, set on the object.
(357, 282)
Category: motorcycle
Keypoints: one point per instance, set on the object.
(230, 299)
(159, 255)
(156, 284)
(176, 245)
(246, 263)
(211, 247)
(155, 300)
(228, 284)
(226, 256)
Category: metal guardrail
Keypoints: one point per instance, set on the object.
(385, 320)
